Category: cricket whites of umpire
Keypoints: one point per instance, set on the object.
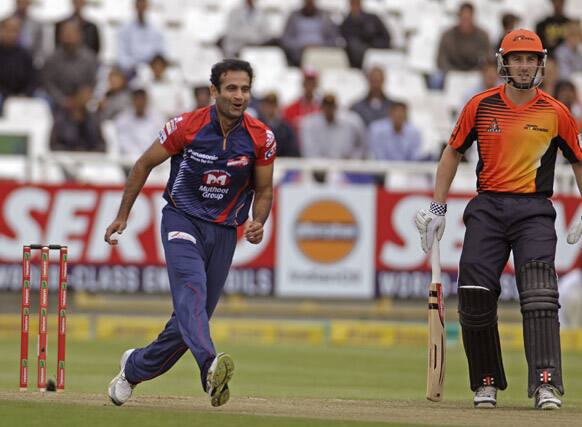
(221, 163)
(519, 130)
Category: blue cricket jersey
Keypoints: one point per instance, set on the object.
(212, 175)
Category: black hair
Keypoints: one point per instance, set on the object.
(225, 65)
(201, 89)
(564, 84)
(468, 6)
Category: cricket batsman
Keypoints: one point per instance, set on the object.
(519, 130)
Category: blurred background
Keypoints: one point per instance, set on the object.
(361, 95)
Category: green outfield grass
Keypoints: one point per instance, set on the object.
(277, 373)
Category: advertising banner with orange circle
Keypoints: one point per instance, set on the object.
(326, 241)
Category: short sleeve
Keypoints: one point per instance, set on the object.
(171, 136)
(569, 140)
(267, 149)
(465, 132)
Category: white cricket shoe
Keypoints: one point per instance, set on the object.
(547, 397)
(219, 374)
(485, 397)
(119, 388)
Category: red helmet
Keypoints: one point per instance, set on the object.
(521, 41)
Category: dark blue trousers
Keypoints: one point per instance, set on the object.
(198, 257)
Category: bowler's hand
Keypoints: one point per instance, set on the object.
(116, 226)
(430, 224)
(575, 232)
(253, 232)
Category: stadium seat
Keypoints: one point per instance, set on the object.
(349, 85)
(457, 84)
(27, 110)
(264, 57)
(406, 85)
(197, 62)
(576, 78)
(385, 58)
(322, 58)
(287, 84)
(422, 53)
(205, 25)
(49, 10)
(118, 11)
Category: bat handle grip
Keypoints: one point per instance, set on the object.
(435, 261)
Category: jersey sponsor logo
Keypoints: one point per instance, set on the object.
(240, 162)
(216, 177)
(201, 157)
(535, 128)
(172, 235)
(270, 138)
(494, 127)
(169, 128)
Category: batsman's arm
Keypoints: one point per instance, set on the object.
(446, 171)
(152, 157)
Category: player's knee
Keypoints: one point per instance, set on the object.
(538, 287)
(477, 308)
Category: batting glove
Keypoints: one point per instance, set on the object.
(431, 223)
(575, 232)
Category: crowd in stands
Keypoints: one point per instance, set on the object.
(141, 86)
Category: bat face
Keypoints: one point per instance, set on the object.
(436, 343)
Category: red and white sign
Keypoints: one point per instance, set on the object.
(376, 229)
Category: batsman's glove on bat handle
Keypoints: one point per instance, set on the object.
(431, 223)
(575, 232)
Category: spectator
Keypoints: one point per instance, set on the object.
(552, 30)
(117, 97)
(551, 76)
(137, 126)
(489, 78)
(394, 137)
(202, 97)
(270, 114)
(167, 94)
(566, 93)
(71, 66)
(333, 133)
(138, 41)
(246, 26)
(376, 103)
(30, 33)
(17, 73)
(509, 22)
(75, 128)
(569, 53)
(89, 31)
(308, 26)
(308, 102)
(362, 30)
(462, 47)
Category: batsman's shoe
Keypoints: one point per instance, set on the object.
(547, 397)
(485, 397)
(119, 388)
(219, 374)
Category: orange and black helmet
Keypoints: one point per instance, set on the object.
(521, 41)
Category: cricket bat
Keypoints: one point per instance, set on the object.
(436, 330)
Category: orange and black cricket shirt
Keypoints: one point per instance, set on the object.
(517, 145)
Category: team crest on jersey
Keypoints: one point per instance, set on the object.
(494, 127)
(239, 162)
(216, 177)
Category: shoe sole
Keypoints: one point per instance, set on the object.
(548, 406)
(222, 375)
(485, 405)
(124, 358)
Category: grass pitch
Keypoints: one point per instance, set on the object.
(277, 385)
